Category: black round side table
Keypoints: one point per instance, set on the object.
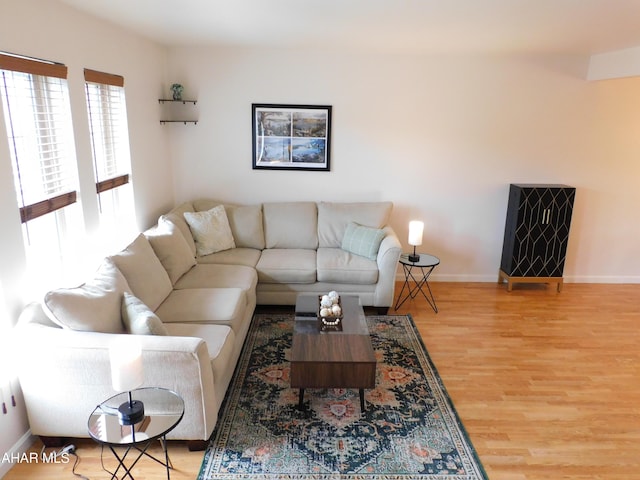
(163, 410)
(426, 264)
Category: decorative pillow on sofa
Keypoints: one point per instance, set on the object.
(210, 230)
(147, 278)
(363, 241)
(139, 319)
(171, 249)
(91, 307)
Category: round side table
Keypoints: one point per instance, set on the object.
(163, 410)
(426, 264)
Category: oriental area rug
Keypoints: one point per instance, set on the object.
(409, 430)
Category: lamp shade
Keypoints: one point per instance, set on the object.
(125, 356)
(416, 228)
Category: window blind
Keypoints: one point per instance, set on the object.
(37, 113)
(108, 125)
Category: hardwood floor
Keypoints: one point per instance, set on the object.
(546, 384)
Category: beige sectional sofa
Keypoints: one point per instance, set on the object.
(187, 288)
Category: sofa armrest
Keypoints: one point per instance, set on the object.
(388, 256)
(65, 374)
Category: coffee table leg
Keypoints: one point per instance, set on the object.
(361, 399)
(301, 399)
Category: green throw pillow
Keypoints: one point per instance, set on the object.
(363, 241)
(139, 319)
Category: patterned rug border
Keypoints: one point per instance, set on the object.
(234, 390)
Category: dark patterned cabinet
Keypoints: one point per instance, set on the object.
(536, 234)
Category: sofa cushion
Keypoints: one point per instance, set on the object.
(333, 219)
(288, 265)
(220, 340)
(171, 249)
(176, 216)
(361, 240)
(290, 225)
(210, 230)
(148, 279)
(246, 225)
(93, 306)
(138, 319)
(219, 276)
(236, 256)
(339, 266)
(245, 222)
(222, 306)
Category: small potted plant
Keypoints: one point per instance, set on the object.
(177, 89)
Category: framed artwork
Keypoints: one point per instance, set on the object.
(291, 137)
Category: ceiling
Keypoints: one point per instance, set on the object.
(430, 26)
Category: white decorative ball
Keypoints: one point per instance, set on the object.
(333, 295)
(325, 312)
(325, 301)
(336, 310)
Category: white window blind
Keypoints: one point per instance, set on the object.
(38, 118)
(108, 124)
(37, 115)
(110, 143)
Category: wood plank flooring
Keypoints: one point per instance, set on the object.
(547, 384)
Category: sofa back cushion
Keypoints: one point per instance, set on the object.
(290, 225)
(333, 219)
(246, 225)
(176, 216)
(93, 306)
(146, 276)
(245, 221)
(171, 249)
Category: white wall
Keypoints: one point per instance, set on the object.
(442, 137)
(46, 29)
(616, 64)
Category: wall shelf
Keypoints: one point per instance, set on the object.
(164, 100)
(171, 112)
(195, 122)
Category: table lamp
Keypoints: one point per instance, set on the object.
(126, 375)
(416, 228)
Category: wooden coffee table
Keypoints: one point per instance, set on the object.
(331, 358)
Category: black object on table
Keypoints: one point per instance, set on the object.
(426, 263)
(163, 410)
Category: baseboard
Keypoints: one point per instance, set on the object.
(18, 449)
(493, 278)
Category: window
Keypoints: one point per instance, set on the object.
(110, 144)
(37, 114)
(36, 109)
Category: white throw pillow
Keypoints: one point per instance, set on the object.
(91, 307)
(210, 230)
(138, 319)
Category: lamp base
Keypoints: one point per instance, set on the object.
(130, 413)
(414, 257)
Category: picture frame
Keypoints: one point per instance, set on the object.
(291, 137)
